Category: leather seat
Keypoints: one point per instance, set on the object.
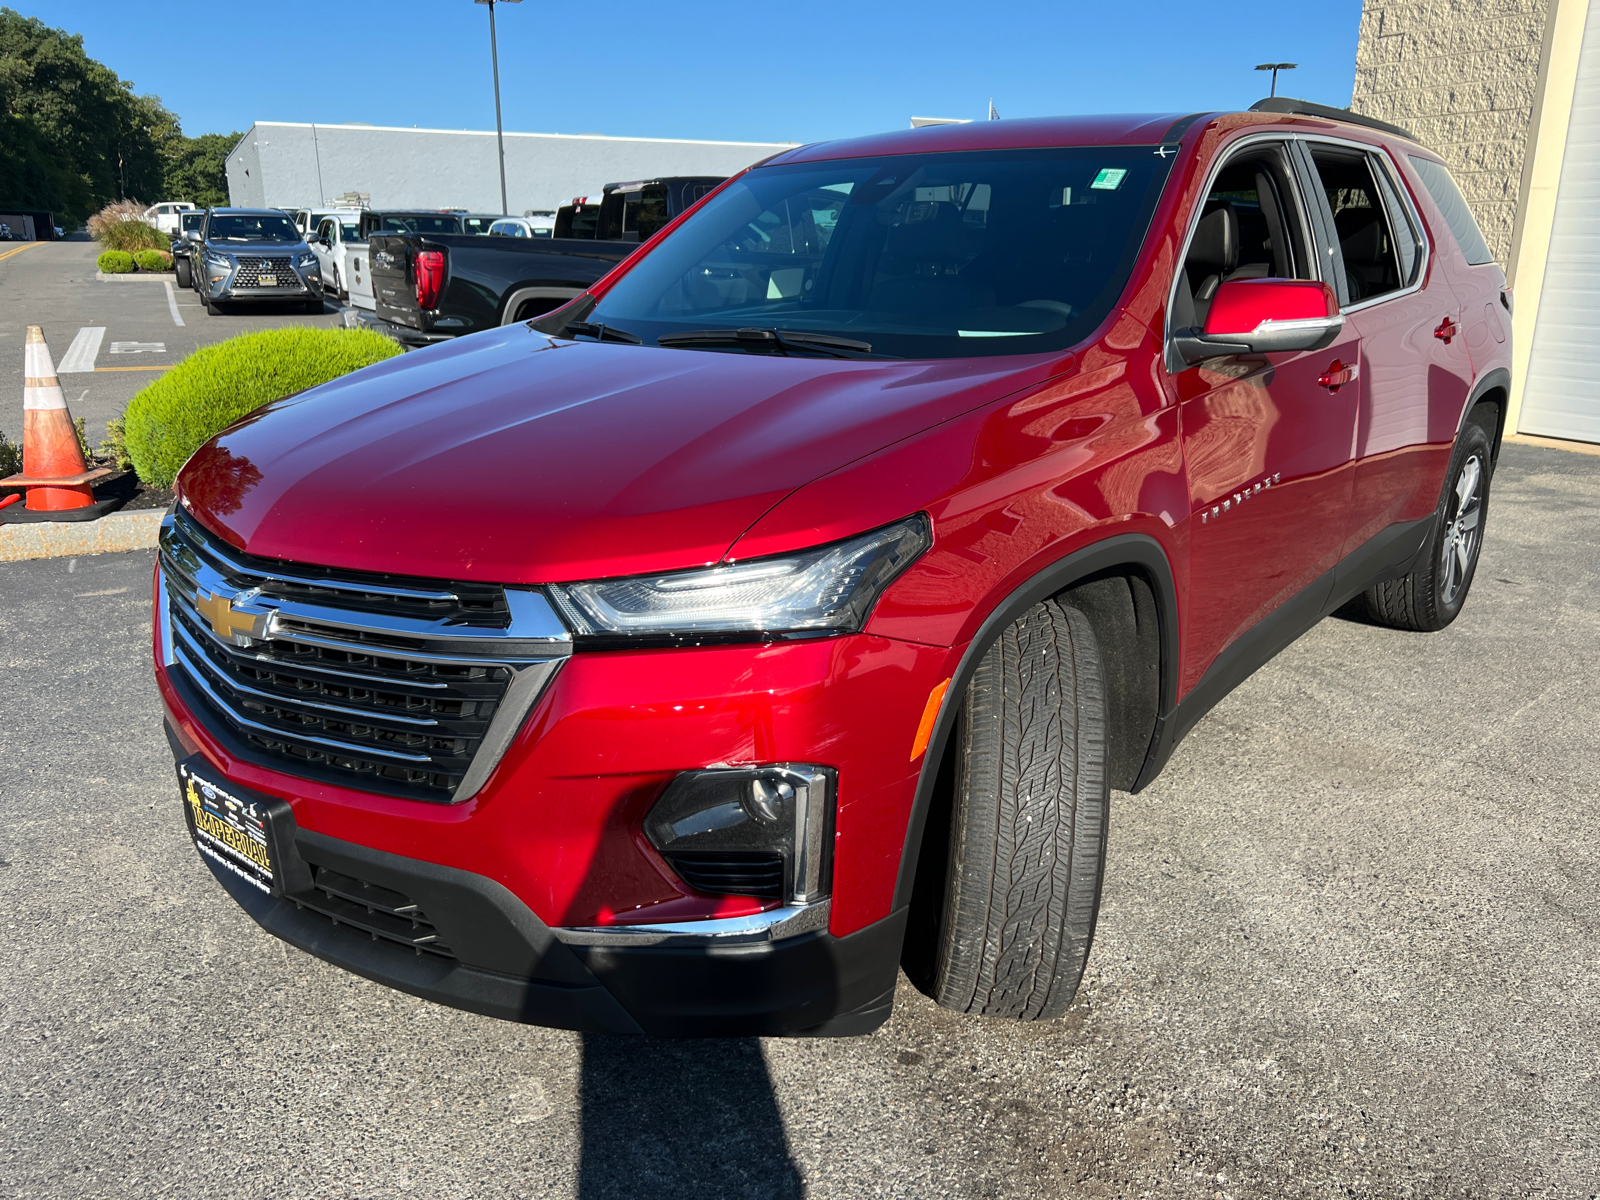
(1369, 268)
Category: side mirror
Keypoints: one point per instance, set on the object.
(1263, 316)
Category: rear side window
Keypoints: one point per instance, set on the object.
(1453, 205)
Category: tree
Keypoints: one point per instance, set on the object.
(197, 168)
(74, 135)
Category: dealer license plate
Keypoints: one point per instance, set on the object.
(228, 831)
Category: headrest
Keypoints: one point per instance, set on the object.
(1360, 235)
(1216, 241)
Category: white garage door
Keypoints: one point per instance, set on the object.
(1563, 393)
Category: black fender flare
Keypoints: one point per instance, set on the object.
(1138, 551)
(1499, 378)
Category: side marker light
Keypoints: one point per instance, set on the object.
(930, 714)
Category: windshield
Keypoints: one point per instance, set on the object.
(938, 256)
(477, 225)
(252, 229)
(398, 223)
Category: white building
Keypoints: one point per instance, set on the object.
(279, 164)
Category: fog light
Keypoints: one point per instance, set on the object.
(749, 831)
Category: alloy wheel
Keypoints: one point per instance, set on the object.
(1462, 530)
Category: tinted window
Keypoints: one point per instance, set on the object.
(1453, 205)
(407, 223)
(276, 228)
(1361, 223)
(951, 255)
(350, 233)
(1251, 226)
(1407, 244)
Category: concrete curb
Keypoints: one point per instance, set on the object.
(119, 531)
(157, 276)
(1531, 439)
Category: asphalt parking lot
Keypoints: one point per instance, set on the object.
(1348, 948)
(53, 285)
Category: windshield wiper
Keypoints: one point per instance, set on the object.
(783, 340)
(603, 333)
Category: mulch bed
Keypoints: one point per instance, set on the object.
(120, 492)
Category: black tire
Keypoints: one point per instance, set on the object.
(1028, 827)
(1430, 597)
(314, 308)
(213, 307)
(181, 269)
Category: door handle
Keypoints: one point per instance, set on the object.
(1447, 330)
(1338, 374)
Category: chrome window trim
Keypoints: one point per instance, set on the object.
(1395, 181)
(1221, 161)
(773, 925)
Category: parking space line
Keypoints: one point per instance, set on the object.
(172, 303)
(84, 350)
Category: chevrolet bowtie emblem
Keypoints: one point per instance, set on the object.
(228, 622)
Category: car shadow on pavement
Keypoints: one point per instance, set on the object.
(691, 1118)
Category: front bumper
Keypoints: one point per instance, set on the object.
(502, 961)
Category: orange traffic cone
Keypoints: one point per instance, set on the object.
(53, 469)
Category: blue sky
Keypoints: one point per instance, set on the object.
(741, 72)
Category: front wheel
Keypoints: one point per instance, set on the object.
(1028, 831)
(181, 269)
(1429, 598)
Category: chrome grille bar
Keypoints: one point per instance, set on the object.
(368, 683)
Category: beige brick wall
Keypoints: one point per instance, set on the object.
(1460, 75)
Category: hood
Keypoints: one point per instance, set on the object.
(515, 458)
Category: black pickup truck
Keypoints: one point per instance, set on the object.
(431, 287)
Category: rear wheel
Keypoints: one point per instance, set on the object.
(1028, 827)
(1430, 597)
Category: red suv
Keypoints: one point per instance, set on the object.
(783, 610)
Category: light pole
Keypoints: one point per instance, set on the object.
(499, 129)
(1273, 67)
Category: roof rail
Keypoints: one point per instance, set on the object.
(1305, 108)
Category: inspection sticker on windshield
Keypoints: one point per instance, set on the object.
(1109, 179)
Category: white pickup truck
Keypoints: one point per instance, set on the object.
(342, 254)
(168, 215)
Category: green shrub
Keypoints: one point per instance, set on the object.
(10, 457)
(153, 260)
(121, 226)
(115, 262)
(115, 445)
(211, 389)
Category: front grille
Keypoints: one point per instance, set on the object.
(378, 912)
(275, 268)
(348, 684)
(731, 872)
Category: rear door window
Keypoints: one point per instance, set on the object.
(1361, 222)
(1453, 205)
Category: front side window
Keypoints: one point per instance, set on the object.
(1251, 226)
(1442, 187)
(325, 231)
(1361, 223)
(936, 256)
(265, 228)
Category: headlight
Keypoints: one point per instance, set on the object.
(307, 259)
(829, 589)
(221, 261)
